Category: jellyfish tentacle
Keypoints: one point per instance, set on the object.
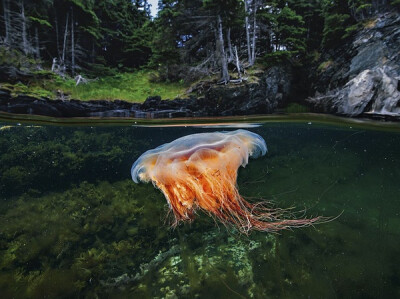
(199, 172)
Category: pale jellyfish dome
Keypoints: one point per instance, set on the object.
(238, 146)
(199, 171)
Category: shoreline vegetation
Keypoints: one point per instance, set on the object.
(263, 56)
(132, 87)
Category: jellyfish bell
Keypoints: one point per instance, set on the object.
(199, 171)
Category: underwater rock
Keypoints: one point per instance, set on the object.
(125, 279)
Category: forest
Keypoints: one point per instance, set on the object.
(186, 41)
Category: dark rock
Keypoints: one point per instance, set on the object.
(363, 76)
(262, 95)
(151, 103)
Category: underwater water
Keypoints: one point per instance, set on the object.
(74, 224)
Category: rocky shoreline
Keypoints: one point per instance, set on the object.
(153, 107)
(261, 96)
(360, 79)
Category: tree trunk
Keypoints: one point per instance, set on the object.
(37, 44)
(72, 43)
(269, 41)
(57, 34)
(230, 45)
(93, 52)
(65, 40)
(238, 64)
(6, 15)
(25, 46)
(253, 42)
(221, 51)
(246, 11)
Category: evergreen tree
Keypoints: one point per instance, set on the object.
(337, 18)
(290, 31)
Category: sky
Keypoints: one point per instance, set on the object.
(154, 7)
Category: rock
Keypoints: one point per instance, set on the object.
(151, 103)
(363, 78)
(371, 91)
(262, 95)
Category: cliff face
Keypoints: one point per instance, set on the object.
(362, 77)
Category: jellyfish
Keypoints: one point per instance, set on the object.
(199, 172)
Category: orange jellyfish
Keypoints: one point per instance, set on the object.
(199, 171)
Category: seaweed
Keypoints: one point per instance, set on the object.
(51, 158)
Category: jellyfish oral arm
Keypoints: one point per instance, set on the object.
(199, 172)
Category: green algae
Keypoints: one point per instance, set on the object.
(39, 158)
(94, 233)
(70, 238)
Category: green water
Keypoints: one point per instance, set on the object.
(73, 224)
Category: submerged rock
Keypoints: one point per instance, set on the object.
(364, 77)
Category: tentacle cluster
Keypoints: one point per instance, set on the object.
(199, 171)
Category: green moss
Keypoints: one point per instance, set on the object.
(31, 90)
(324, 66)
(133, 87)
(297, 108)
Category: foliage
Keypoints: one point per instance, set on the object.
(334, 29)
(107, 37)
(395, 3)
(276, 58)
(290, 31)
(336, 19)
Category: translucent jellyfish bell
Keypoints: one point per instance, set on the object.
(199, 171)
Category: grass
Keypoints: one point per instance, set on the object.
(132, 87)
(31, 90)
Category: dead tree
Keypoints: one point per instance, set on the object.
(72, 43)
(228, 37)
(238, 64)
(57, 33)
(65, 40)
(251, 29)
(246, 11)
(25, 45)
(7, 25)
(253, 42)
(37, 43)
(220, 50)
